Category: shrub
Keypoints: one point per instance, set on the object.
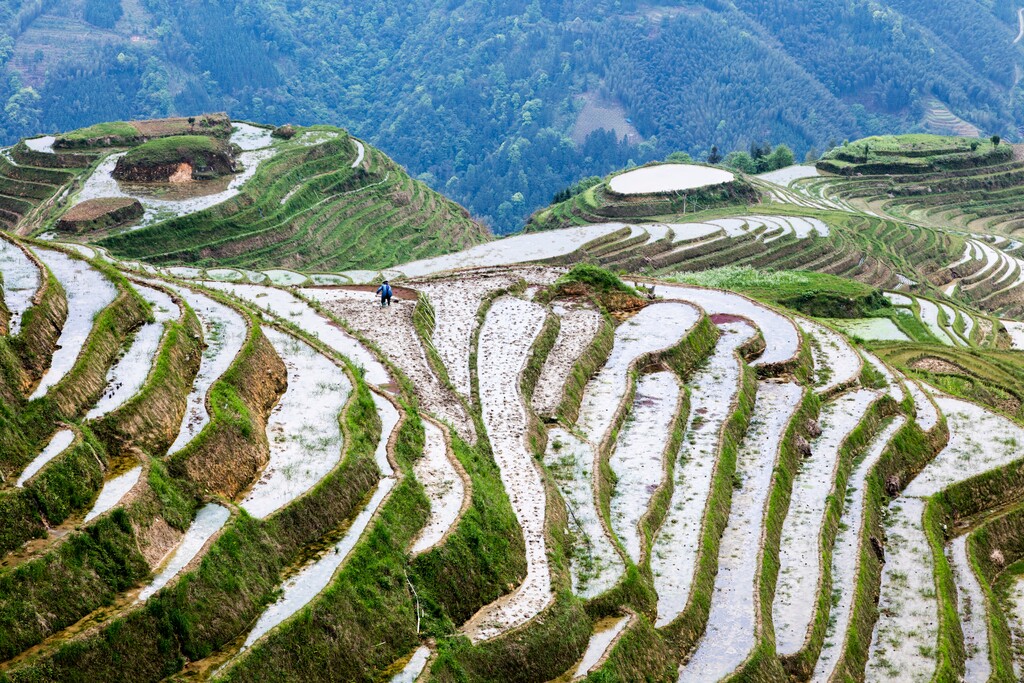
(595, 277)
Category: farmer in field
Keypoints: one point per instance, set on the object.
(385, 294)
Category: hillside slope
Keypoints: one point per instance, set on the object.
(526, 468)
(315, 199)
(482, 101)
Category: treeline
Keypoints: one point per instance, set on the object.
(761, 158)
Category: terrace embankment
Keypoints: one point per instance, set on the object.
(176, 160)
(100, 214)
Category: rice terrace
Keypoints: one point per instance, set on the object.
(690, 424)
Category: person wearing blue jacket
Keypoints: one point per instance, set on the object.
(385, 294)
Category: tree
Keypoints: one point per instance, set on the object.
(996, 140)
(102, 13)
(740, 161)
(23, 110)
(715, 157)
(191, 123)
(679, 158)
(781, 157)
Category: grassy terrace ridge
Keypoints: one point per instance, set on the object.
(23, 188)
(130, 133)
(880, 253)
(988, 377)
(598, 204)
(306, 208)
(208, 157)
(952, 184)
(918, 153)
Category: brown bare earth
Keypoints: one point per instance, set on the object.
(936, 365)
(217, 125)
(97, 214)
(92, 209)
(183, 174)
(157, 541)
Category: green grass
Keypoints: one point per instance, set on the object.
(115, 129)
(197, 149)
(916, 153)
(308, 208)
(596, 278)
(771, 284)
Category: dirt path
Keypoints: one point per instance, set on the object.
(456, 302)
(392, 330)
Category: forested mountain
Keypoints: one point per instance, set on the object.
(499, 105)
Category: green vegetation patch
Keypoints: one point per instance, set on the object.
(172, 150)
(130, 133)
(916, 153)
(816, 294)
(159, 159)
(108, 130)
(596, 278)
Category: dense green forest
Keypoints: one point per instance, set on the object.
(480, 99)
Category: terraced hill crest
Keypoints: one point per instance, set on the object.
(754, 430)
(316, 200)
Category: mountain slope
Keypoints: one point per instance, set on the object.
(327, 207)
(308, 198)
(480, 100)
